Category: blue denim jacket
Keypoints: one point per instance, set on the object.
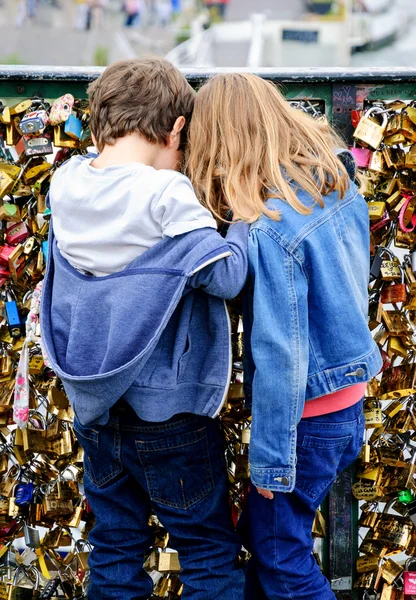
(305, 322)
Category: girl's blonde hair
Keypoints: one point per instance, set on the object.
(247, 144)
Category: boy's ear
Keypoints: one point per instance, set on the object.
(176, 131)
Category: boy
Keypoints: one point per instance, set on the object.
(134, 323)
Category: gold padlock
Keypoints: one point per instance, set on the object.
(376, 210)
(393, 200)
(368, 132)
(386, 188)
(372, 413)
(367, 563)
(394, 140)
(377, 163)
(391, 570)
(410, 159)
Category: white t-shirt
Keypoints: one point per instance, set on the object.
(105, 218)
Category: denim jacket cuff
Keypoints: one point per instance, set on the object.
(275, 480)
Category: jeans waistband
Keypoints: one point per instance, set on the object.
(122, 416)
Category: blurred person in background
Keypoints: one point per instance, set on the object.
(96, 13)
(164, 9)
(81, 15)
(132, 10)
(25, 8)
(31, 8)
(217, 7)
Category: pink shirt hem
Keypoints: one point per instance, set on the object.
(334, 402)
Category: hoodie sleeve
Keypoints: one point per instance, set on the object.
(225, 274)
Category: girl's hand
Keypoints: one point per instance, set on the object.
(265, 493)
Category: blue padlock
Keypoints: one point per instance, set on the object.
(73, 127)
(24, 493)
(13, 317)
(45, 248)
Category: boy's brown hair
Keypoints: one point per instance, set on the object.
(143, 95)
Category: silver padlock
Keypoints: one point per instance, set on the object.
(32, 537)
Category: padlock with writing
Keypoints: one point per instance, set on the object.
(373, 414)
(410, 577)
(390, 267)
(369, 132)
(395, 292)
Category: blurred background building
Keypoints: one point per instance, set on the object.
(210, 33)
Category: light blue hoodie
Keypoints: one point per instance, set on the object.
(156, 334)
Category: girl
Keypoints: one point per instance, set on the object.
(309, 352)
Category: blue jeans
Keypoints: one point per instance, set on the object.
(177, 469)
(278, 531)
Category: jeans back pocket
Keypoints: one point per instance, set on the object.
(177, 468)
(102, 453)
(318, 462)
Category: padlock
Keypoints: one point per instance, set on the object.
(376, 210)
(396, 322)
(375, 267)
(395, 292)
(362, 156)
(62, 140)
(18, 591)
(17, 263)
(377, 163)
(50, 590)
(9, 481)
(54, 507)
(61, 109)
(168, 561)
(73, 127)
(40, 145)
(36, 362)
(14, 320)
(390, 571)
(10, 212)
(34, 122)
(410, 577)
(390, 267)
(24, 493)
(242, 464)
(368, 132)
(53, 538)
(83, 550)
(410, 158)
(16, 233)
(67, 489)
(373, 414)
(31, 535)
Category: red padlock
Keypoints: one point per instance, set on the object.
(16, 233)
(386, 360)
(394, 293)
(356, 117)
(385, 220)
(5, 252)
(410, 579)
